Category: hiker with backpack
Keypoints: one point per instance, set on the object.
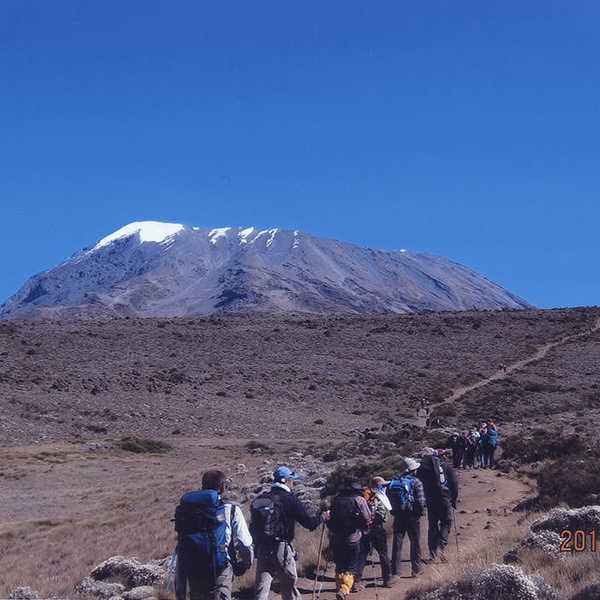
(213, 542)
(471, 450)
(273, 522)
(490, 442)
(441, 492)
(375, 538)
(350, 519)
(407, 498)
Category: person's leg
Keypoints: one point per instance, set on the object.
(364, 550)
(414, 535)
(433, 531)
(220, 589)
(287, 573)
(180, 579)
(379, 541)
(491, 461)
(264, 575)
(399, 530)
(445, 520)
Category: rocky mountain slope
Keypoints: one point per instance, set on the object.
(160, 269)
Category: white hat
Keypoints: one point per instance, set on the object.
(427, 451)
(410, 464)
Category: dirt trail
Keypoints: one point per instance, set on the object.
(504, 372)
(484, 510)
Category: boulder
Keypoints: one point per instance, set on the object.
(130, 571)
(23, 593)
(545, 540)
(499, 582)
(144, 592)
(586, 518)
(98, 589)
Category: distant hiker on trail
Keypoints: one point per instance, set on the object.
(274, 516)
(350, 518)
(480, 451)
(407, 498)
(376, 537)
(459, 448)
(441, 492)
(213, 536)
(471, 450)
(490, 442)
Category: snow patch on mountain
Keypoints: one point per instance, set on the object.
(148, 231)
(216, 234)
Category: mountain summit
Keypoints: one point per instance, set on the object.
(150, 269)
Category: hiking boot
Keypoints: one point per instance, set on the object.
(443, 558)
(357, 586)
(341, 596)
(393, 580)
(386, 583)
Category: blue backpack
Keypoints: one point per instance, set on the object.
(401, 496)
(201, 523)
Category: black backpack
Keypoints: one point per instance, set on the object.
(345, 516)
(268, 523)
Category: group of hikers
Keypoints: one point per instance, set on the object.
(215, 543)
(474, 448)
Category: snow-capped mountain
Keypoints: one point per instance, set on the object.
(164, 269)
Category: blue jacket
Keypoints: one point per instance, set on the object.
(491, 438)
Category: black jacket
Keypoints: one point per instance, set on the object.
(295, 512)
(429, 474)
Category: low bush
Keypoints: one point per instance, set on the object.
(540, 445)
(141, 446)
(574, 481)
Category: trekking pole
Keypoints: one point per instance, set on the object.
(171, 566)
(455, 530)
(374, 574)
(314, 593)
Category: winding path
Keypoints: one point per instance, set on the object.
(503, 372)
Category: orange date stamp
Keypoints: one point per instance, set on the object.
(578, 540)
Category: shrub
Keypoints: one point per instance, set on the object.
(254, 446)
(542, 444)
(141, 446)
(576, 482)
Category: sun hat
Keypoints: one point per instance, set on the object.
(283, 473)
(377, 481)
(409, 464)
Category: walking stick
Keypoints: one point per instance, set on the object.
(455, 530)
(314, 593)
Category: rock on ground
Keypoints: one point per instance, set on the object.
(559, 519)
(499, 582)
(545, 540)
(23, 593)
(130, 571)
(98, 589)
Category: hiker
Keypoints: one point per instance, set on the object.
(407, 498)
(463, 444)
(380, 508)
(212, 535)
(471, 449)
(350, 517)
(480, 451)
(274, 517)
(441, 491)
(490, 442)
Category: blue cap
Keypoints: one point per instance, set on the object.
(284, 473)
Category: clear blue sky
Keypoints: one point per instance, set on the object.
(467, 129)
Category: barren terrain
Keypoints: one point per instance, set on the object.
(305, 388)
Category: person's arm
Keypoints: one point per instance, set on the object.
(452, 482)
(365, 511)
(301, 515)
(419, 496)
(241, 536)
